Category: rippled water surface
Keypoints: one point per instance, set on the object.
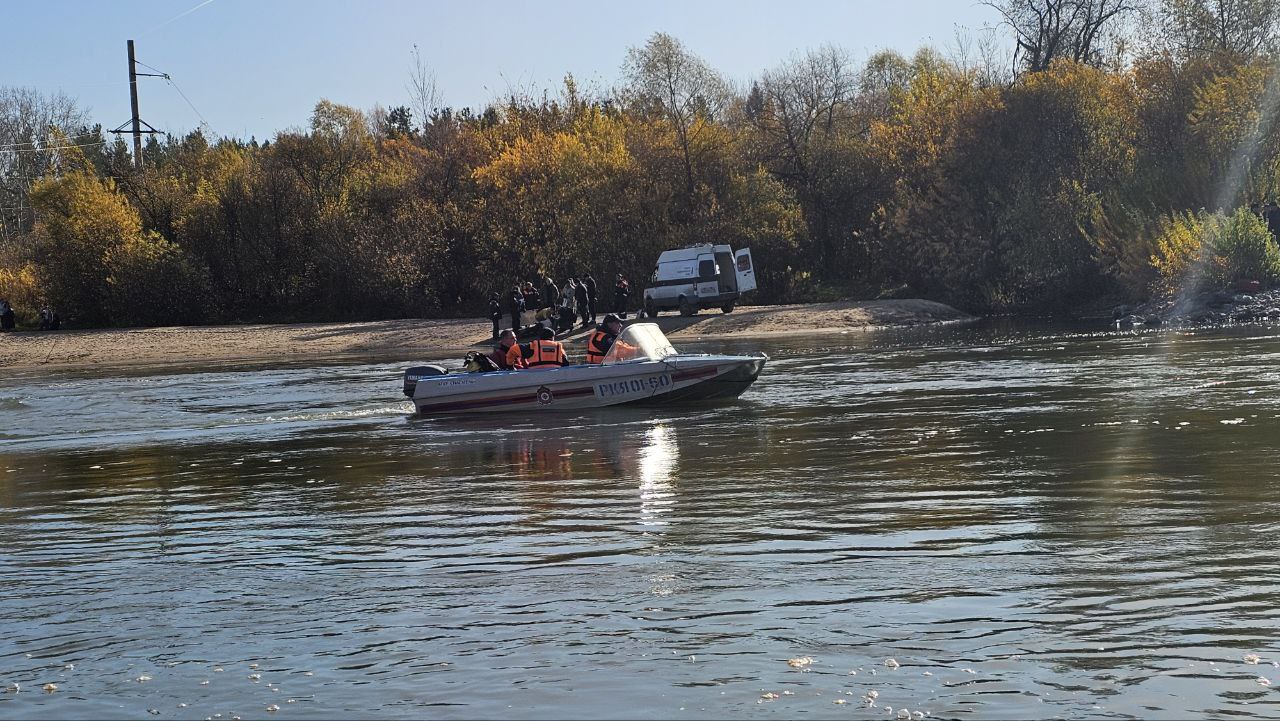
(1031, 523)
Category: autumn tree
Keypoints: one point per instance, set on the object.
(812, 133)
(29, 123)
(1243, 29)
(686, 91)
(1047, 30)
(94, 261)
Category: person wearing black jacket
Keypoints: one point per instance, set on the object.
(603, 339)
(495, 313)
(550, 293)
(590, 284)
(621, 290)
(515, 306)
(6, 316)
(584, 302)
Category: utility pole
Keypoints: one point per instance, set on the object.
(136, 122)
(133, 102)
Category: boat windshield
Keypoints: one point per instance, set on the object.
(640, 341)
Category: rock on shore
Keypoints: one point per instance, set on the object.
(1205, 308)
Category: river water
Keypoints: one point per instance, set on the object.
(1031, 522)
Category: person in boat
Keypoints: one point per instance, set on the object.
(542, 354)
(501, 349)
(604, 338)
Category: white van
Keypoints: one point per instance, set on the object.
(704, 276)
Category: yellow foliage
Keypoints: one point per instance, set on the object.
(81, 209)
(1227, 109)
(80, 219)
(1100, 106)
(1222, 248)
(19, 285)
(928, 113)
(1178, 245)
(593, 150)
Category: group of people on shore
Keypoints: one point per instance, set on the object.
(9, 319)
(544, 351)
(562, 307)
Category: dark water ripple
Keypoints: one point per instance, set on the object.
(1032, 523)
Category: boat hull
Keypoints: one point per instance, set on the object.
(678, 379)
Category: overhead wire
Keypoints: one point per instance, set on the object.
(17, 146)
(166, 76)
(29, 142)
(148, 67)
(169, 79)
(52, 148)
(189, 103)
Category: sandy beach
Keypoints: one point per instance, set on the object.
(403, 339)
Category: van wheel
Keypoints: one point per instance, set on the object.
(727, 307)
(650, 307)
(686, 308)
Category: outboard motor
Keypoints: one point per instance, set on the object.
(412, 375)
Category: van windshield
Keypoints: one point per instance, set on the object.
(639, 342)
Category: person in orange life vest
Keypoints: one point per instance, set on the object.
(603, 339)
(544, 353)
(501, 351)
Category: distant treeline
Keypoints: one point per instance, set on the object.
(1086, 171)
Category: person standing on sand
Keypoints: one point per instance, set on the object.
(568, 303)
(495, 313)
(6, 315)
(584, 302)
(621, 289)
(530, 296)
(590, 284)
(550, 293)
(515, 305)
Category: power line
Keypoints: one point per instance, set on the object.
(169, 79)
(59, 86)
(52, 148)
(163, 74)
(33, 142)
(189, 104)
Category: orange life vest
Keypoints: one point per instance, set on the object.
(515, 358)
(502, 358)
(547, 354)
(596, 347)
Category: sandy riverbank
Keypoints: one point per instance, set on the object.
(403, 339)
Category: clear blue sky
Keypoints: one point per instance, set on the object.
(255, 67)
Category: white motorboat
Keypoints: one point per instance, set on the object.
(640, 369)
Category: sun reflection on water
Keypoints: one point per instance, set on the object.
(658, 459)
